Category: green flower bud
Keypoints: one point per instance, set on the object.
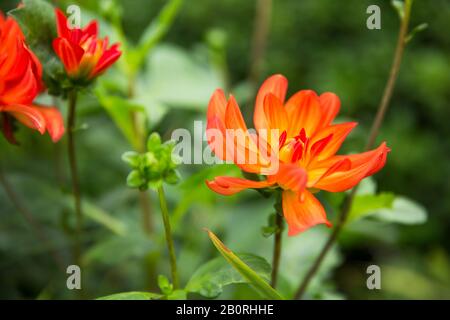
(154, 167)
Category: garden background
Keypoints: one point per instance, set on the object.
(321, 45)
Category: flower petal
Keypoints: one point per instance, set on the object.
(217, 106)
(302, 211)
(24, 91)
(61, 24)
(109, 57)
(27, 115)
(330, 105)
(91, 29)
(54, 122)
(290, 177)
(69, 53)
(275, 113)
(304, 112)
(230, 185)
(277, 85)
(362, 165)
(233, 116)
(339, 132)
(6, 126)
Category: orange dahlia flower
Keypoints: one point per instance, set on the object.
(304, 150)
(20, 83)
(83, 54)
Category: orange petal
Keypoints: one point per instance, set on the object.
(330, 105)
(217, 106)
(246, 150)
(339, 132)
(233, 116)
(232, 147)
(54, 122)
(290, 177)
(28, 116)
(304, 112)
(302, 212)
(230, 185)
(362, 165)
(277, 85)
(275, 113)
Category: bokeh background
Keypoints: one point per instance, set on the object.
(321, 45)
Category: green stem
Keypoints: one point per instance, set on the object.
(384, 104)
(276, 249)
(169, 240)
(71, 123)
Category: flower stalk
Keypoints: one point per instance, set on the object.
(169, 239)
(384, 104)
(71, 123)
(277, 248)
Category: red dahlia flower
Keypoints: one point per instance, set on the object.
(304, 151)
(20, 83)
(83, 54)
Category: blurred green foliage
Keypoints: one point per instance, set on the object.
(322, 45)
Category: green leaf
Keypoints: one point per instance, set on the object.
(170, 67)
(177, 295)
(132, 295)
(368, 204)
(404, 211)
(100, 216)
(165, 285)
(416, 30)
(132, 158)
(154, 141)
(210, 278)
(256, 281)
(117, 250)
(154, 33)
(399, 6)
(121, 111)
(135, 180)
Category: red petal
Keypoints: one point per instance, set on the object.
(107, 59)
(91, 29)
(69, 53)
(61, 24)
(7, 127)
(24, 91)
